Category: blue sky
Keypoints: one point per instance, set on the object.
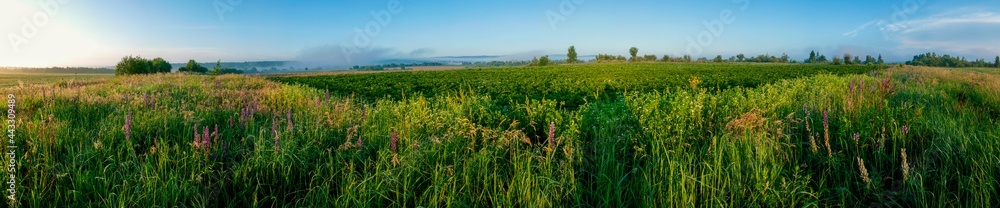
(100, 32)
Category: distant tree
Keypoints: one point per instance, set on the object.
(687, 58)
(649, 57)
(857, 60)
(718, 59)
(880, 59)
(534, 61)
(869, 59)
(836, 60)
(132, 65)
(847, 58)
(821, 59)
(571, 55)
(996, 64)
(740, 57)
(161, 66)
(217, 69)
(544, 61)
(812, 57)
(182, 69)
(193, 66)
(666, 58)
(633, 51)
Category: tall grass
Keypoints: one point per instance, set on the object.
(898, 137)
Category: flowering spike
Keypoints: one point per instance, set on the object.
(392, 142)
(205, 136)
(197, 138)
(552, 133)
(128, 125)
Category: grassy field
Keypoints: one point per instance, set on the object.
(17, 79)
(737, 135)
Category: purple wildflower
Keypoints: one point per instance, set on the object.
(905, 130)
(392, 142)
(327, 98)
(552, 133)
(128, 125)
(857, 137)
(805, 108)
(205, 136)
(230, 121)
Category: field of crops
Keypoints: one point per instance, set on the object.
(571, 84)
(745, 136)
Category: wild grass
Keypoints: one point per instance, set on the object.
(898, 137)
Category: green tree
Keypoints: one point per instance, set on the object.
(544, 61)
(534, 61)
(571, 55)
(217, 69)
(193, 66)
(847, 58)
(740, 57)
(633, 51)
(812, 57)
(132, 65)
(857, 60)
(997, 62)
(718, 59)
(880, 59)
(836, 60)
(161, 66)
(666, 58)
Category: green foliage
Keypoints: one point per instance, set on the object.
(193, 66)
(633, 51)
(571, 55)
(932, 59)
(217, 69)
(133, 65)
(571, 84)
(159, 65)
(924, 137)
(544, 61)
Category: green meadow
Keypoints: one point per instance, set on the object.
(590, 135)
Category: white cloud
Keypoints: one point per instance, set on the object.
(971, 34)
(854, 32)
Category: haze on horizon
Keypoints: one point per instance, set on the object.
(98, 33)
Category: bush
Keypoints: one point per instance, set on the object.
(133, 65)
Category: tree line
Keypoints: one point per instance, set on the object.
(131, 65)
(933, 59)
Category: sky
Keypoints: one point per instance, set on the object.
(41, 33)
